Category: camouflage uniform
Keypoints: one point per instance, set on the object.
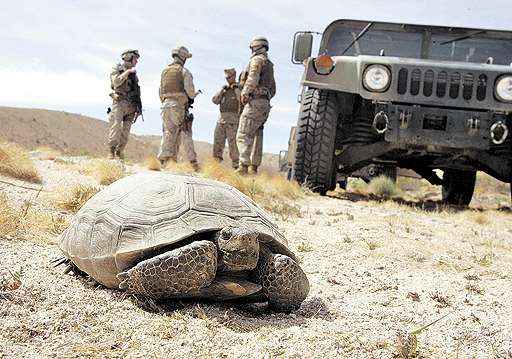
(123, 112)
(176, 90)
(258, 88)
(228, 99)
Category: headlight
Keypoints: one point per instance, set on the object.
(504, 89)
(376, 78)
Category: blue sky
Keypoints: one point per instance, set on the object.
(57, 54)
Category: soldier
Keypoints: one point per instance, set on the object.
(177, 93)
(228, 99)
(258, 87)
(125, 102)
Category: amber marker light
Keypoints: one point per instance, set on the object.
(324, 64)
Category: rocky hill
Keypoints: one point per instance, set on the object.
(76, 134)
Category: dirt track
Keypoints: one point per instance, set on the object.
(375, 269)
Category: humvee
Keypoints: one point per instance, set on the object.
(367, 173)
(419, 97)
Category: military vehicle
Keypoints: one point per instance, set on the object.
(420, 97)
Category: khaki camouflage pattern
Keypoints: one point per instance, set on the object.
(228, 99)
(172, 80)
(120, 119)
(223, 132)
(122, 112)
(258, 78)
(187, 85)
(249, 137)
(259, 87)
(173, 118)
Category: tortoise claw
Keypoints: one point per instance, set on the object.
(59, 261)
(123, 277)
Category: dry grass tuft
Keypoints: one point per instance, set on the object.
(29, 223)
(273, 192)
(153, 164)
(9, 218)
(105, 171)
(179, 167)
(10, 281)
(15, 162)
(480, 218)
(383, 187)
(73, 199)
(305, 247)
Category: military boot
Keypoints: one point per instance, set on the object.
(253, 169)
(112, 154)
(242, 170)
(119, 154)
(195, 166)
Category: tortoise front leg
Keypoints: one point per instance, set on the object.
(283, 282)
(176, 273)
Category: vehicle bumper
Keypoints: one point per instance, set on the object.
(438, 127)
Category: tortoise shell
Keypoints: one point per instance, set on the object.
(149, 213)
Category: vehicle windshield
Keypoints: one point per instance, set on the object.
(407, 41)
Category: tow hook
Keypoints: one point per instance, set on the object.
(381, 122)
(499, 132)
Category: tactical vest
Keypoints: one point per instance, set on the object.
(172, 80)
(127, 88)
(267, 81)
(229, 101)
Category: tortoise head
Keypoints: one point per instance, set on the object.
(238, 249)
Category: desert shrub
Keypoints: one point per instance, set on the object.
(179, 167)
(15, 162)
(105, 171)
(383, 186)
(28, 222)
(153, 164)
(74, 198)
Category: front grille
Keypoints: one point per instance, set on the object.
(434, 84)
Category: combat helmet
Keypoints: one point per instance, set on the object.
(231, 72)
(258, 42)
(181, 52)
(129, 54)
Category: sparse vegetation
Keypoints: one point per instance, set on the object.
(16, 163)
(105, 171)
(74, 198)
(153, 164)
(28, 222)
(383, 187)
(9, 218)
(273, 192)
(305, 247)
(9, 281)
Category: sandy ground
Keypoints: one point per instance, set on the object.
(375, 268)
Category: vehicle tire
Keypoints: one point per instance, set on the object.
(316, 135)
(458, 187)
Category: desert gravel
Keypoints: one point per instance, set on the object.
(375, 268)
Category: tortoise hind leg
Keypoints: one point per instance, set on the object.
(176, 273)
(283, 282)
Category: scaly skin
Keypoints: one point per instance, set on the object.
(283, 282)
(183, 270)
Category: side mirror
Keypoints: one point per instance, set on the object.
(302, 46)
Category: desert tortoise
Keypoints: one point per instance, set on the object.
(169, 236)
